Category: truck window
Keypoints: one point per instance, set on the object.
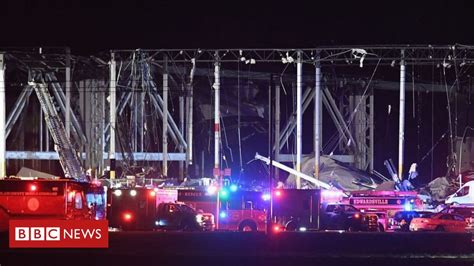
(462, 192)
(187, 209)
(78, 200)
(330, 208)
(446, 217)
(171, 208)
(350, 208)
(248, 205)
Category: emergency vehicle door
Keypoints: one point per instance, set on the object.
(249, 206)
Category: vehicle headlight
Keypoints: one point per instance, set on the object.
(199, 218)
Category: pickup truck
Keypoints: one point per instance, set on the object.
(178, 216)
(335, 216)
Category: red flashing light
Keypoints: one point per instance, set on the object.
(152, 193)
(276, 228)
(278, 193)
(357, 216)
(33, 187)
(127, 216)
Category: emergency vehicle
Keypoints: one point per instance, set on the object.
(296, 209)
(131, 208)
(49, 199)
(385, 203)
(239, 210)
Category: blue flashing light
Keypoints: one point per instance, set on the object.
(224, 194)
(266, 197)
(408, 207)
(223, 215)
(233, 187)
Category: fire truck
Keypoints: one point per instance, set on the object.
(49, 199)
(239, 210)
(385, 203)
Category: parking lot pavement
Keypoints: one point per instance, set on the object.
(232, 248)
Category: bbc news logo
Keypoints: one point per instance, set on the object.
(58, 234)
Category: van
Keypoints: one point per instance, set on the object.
(464, 196)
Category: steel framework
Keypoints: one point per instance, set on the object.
(138, 77)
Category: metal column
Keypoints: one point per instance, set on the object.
(68, 93)
(112, 113)
(189, 117)
(217, 131)
(317, 118)
(181, 129)
(3, 162)
(299, 116)
(401, 129)
(165, 121)
(371, 131)
(277, 129)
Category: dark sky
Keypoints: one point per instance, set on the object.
(89, 26)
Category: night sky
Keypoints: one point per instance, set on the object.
(89, 27)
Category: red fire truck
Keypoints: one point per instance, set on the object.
(385, 203)
(49, 199)
(239, 210)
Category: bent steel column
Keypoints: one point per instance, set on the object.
(112, 114)
(3, 163)
(299, 120)
(401, 128)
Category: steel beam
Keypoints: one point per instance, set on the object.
(284, 157)
(173, 128)
(51, 155)
(339, 120)
(291, 124)
(298, 174)
(61, 99)
(17, 109)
